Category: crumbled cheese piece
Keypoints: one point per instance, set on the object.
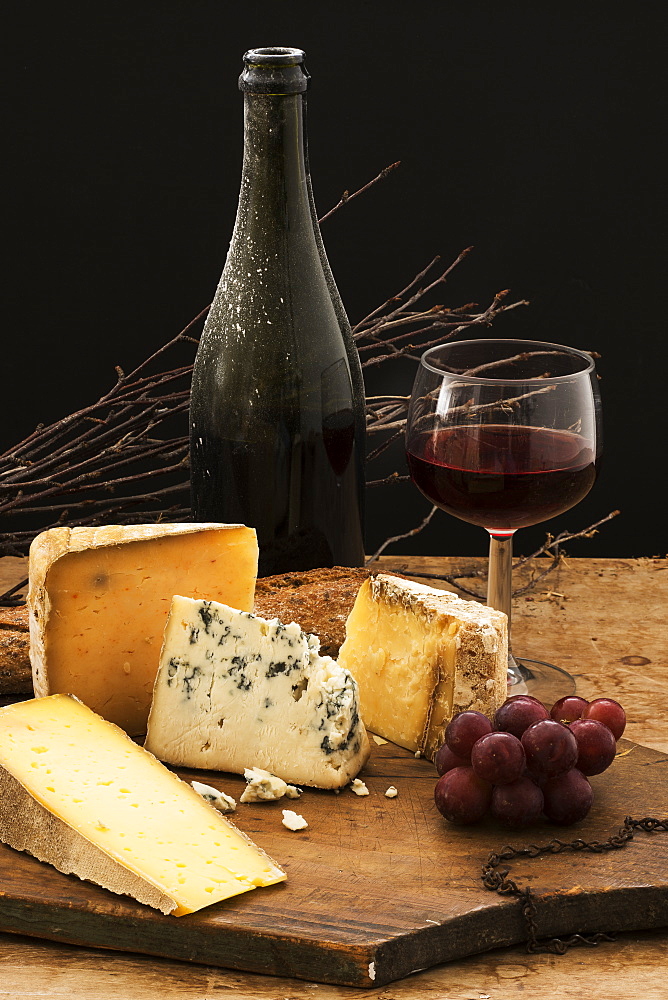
(359, 788)
(293, 821)
(262, 786)
(391, 793)
(223, 802)
(378, 739)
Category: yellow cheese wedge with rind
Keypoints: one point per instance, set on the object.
(419, 655)
(77, 792)
(99, 599)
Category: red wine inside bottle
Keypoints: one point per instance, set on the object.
(277, 404)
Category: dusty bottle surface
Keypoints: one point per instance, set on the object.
(277, 407)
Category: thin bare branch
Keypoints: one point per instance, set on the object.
(360, 328)
(565, 536)
(393, 478)
(551, 545)
(399, 538)
(346, 197)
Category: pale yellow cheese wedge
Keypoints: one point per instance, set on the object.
(419, 655)
(77, 792)
(99, 599)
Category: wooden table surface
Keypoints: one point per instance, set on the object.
(603, 620)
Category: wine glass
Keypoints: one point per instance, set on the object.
(505, 434)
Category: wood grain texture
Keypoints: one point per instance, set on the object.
(611, 611)
(13, 569)
(634, 967)
(377, 888)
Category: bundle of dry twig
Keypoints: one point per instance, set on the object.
(124, 458)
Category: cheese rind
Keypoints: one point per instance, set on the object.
(419, 656)
(235, 691)
(76, 792)
(99, 599)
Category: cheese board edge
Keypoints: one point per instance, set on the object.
(360, 963)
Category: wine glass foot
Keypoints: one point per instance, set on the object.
(541, 680)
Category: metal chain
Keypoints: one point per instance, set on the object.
(496, 879)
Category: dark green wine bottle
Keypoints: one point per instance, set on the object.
(277, 408)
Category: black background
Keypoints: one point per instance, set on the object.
(532, 131)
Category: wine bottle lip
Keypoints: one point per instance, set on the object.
(274, 55)
(274, 70)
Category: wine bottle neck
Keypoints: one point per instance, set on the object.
(274, 184)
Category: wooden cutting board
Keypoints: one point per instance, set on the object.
(377, 888)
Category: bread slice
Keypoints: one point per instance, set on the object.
(319, 600)
(15, 670)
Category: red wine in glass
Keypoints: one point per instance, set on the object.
(506, 434)
(502, 476)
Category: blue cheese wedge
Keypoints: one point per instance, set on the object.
(235, 691)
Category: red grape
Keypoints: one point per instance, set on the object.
(550, 748)
(518, 713)
(568, 709)
(498, 757)
(518, 803)
(527, 697)
(462, 797)
(596, 745)
(463, 731)
(609, 712)
(567, 798)
(445, 760)
(529, 760)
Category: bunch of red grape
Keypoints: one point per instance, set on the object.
(527, 762)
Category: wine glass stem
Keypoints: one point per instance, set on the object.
(500, 591)
(500, 574)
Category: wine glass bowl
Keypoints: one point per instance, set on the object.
(505, 434)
